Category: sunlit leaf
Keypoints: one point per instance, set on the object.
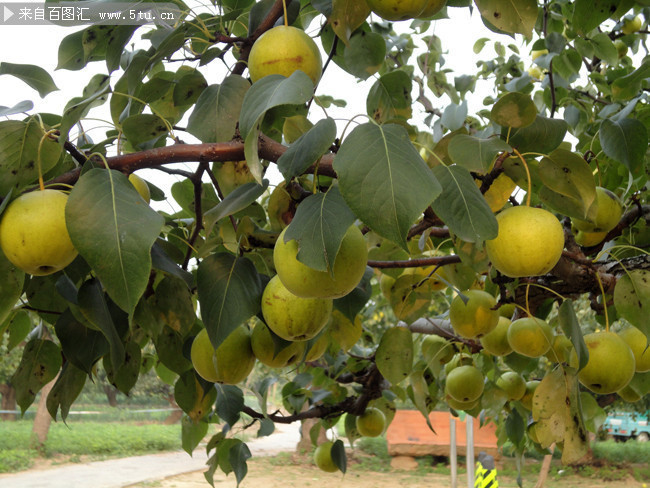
(556, 409)
(346, 16)
(569, 186)
(514, 110)
(632, 299)
(515, 16)
(394, 355)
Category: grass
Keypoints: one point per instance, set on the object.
(622, 452)
(90, 438)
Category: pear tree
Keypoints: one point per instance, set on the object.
(499, 210)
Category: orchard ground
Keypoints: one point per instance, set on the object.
(292, 470)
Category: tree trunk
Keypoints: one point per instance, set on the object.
(546, 467)
(304, 445)
(42, 420)
(111, 394)
(8, 393)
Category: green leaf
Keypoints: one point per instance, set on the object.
(65, 391)
(338, 455)
(113, 229)
(384, 180)
(95, 309)
(569, 186)
(514, 16)
(476, 154)
(542, 136)
(11, 286)
(192, 433)
(39, 365)
(364, 54)
(269, 92)
(604, 48)
(125, 376)
(421, 398)
(230, 402)
(238, 455)
(230, 292)
(515, 429)
(390, 98)
(19, 141)
(514, 110)
(117, 40)
(394, 355)
(35, 76)
(453, 118)
(81, 345)
(71, 54)
(140, 129)
(239, 199)
(173, 304)
(571, 327)
(346, 17)
(307, 149)
(632, 299)
(589, 14)
(168, 343)
(629, 86)
(94, 94)
(556, 409)
(20, 107)
(217, 109)
(625, 141)
(18, 328)
(352, 303)
(319, 225)
(462, 206)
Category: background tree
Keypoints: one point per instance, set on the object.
(558, 151)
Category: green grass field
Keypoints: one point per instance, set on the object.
(92, 438)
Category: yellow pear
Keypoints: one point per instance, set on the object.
(306, 282)
(34, 235)
(283, 50)
(529, 243)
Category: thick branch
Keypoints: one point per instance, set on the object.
(202, 153)
(416, 263)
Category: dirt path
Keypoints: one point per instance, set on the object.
(288, 472)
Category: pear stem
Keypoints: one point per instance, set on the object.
(286, 19)
(39, 166)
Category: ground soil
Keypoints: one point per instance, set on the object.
(285, 472)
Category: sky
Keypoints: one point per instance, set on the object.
(39, 45)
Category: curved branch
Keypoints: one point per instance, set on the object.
(192, 153)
